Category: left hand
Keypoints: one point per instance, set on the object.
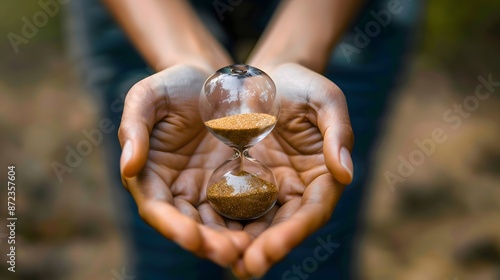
(308, 152)
(167, 159)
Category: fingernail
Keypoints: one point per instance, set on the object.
(126, 154)
(346, 161)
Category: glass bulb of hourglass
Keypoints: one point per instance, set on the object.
(239, 106)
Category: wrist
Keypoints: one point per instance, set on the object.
(209, 61)
(183, 59)
(272, 59)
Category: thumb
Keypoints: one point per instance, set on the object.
(139, 116)
(338, 138)
(331, 115)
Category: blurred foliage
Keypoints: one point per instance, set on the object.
(464, 35)
(11, 13)
(39, 56)
(449, 23)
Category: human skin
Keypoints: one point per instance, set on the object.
(168, 156)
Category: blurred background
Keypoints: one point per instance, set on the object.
(440, 222)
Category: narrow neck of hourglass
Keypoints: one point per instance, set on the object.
(241, 152)
(241, 155)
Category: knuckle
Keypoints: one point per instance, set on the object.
(123, 133)
(334, 90)
(139, 87)
(346, 127)
(139, 92)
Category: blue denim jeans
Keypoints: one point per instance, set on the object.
(109, 66)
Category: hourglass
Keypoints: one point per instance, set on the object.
(239, 106)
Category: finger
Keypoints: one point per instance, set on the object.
(219, 247)
(239, 269)
(272, 245)
(187, 209)
(232, 229)
(255, 228)
(329, 113)
(335, 126)
(240, 239)
(210, 218)
(155, 205)
(223, 249)
(144, 106)
(234, 225)
(167, 220)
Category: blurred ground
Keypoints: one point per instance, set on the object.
(442, 222)
(66, 230)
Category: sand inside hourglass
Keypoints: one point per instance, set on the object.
(240, 194)
(241, 129)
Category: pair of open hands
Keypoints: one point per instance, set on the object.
(168, 157)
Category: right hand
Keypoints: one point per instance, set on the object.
(168, 157)
(308, 152)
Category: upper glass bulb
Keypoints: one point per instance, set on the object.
(238, 104)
